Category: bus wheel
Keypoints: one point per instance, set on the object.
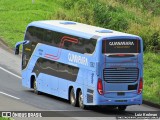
(80, 100)
(122, 108)
(35, 87)
(72, 98)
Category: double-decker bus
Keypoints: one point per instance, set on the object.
(84, 64)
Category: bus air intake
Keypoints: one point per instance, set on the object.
(120, 75)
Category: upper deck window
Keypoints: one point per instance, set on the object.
(54, 38)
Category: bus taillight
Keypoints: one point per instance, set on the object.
(100, 87)
(140, 86)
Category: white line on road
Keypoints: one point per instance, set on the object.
(10, 72)
(9, 95)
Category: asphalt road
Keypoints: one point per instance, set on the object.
(13, 97)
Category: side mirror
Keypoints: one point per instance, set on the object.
(16, 51)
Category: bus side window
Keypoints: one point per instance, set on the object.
(79, 47)
(39, 35)
(34, 34)
(84, 46)
(24, 60)
(33, 46)
(48, 36)
(29, 33)
(67, 45)
(56, 39)
(90, 46)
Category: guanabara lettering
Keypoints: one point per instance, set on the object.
(78, 59)
(121, 43)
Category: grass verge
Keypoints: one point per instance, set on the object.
(152, 77)
(2, 118)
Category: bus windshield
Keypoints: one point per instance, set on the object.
(120, 46)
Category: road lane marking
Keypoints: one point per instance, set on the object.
(10, 72)
(9, 95)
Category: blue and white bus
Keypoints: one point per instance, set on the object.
(84, 64)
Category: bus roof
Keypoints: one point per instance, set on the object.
(78, 29)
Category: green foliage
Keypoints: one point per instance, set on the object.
(15, 16)
(96, 13)
(152, 77)
(151, 40)
(2, 118)
(101, 14)
(110, 14)
(121, 17)
(69, 4)
(146, 5)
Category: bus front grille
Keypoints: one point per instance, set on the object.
(120, 75)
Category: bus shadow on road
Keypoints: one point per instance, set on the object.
(49, 96)
(90, 111)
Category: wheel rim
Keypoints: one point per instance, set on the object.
(80, 99)
(35, 86)
(72, 97)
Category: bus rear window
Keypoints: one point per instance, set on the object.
(121, 46)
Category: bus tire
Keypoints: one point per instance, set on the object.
(80, 100)
(122, 108)
(72, 98)
(35, 87)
